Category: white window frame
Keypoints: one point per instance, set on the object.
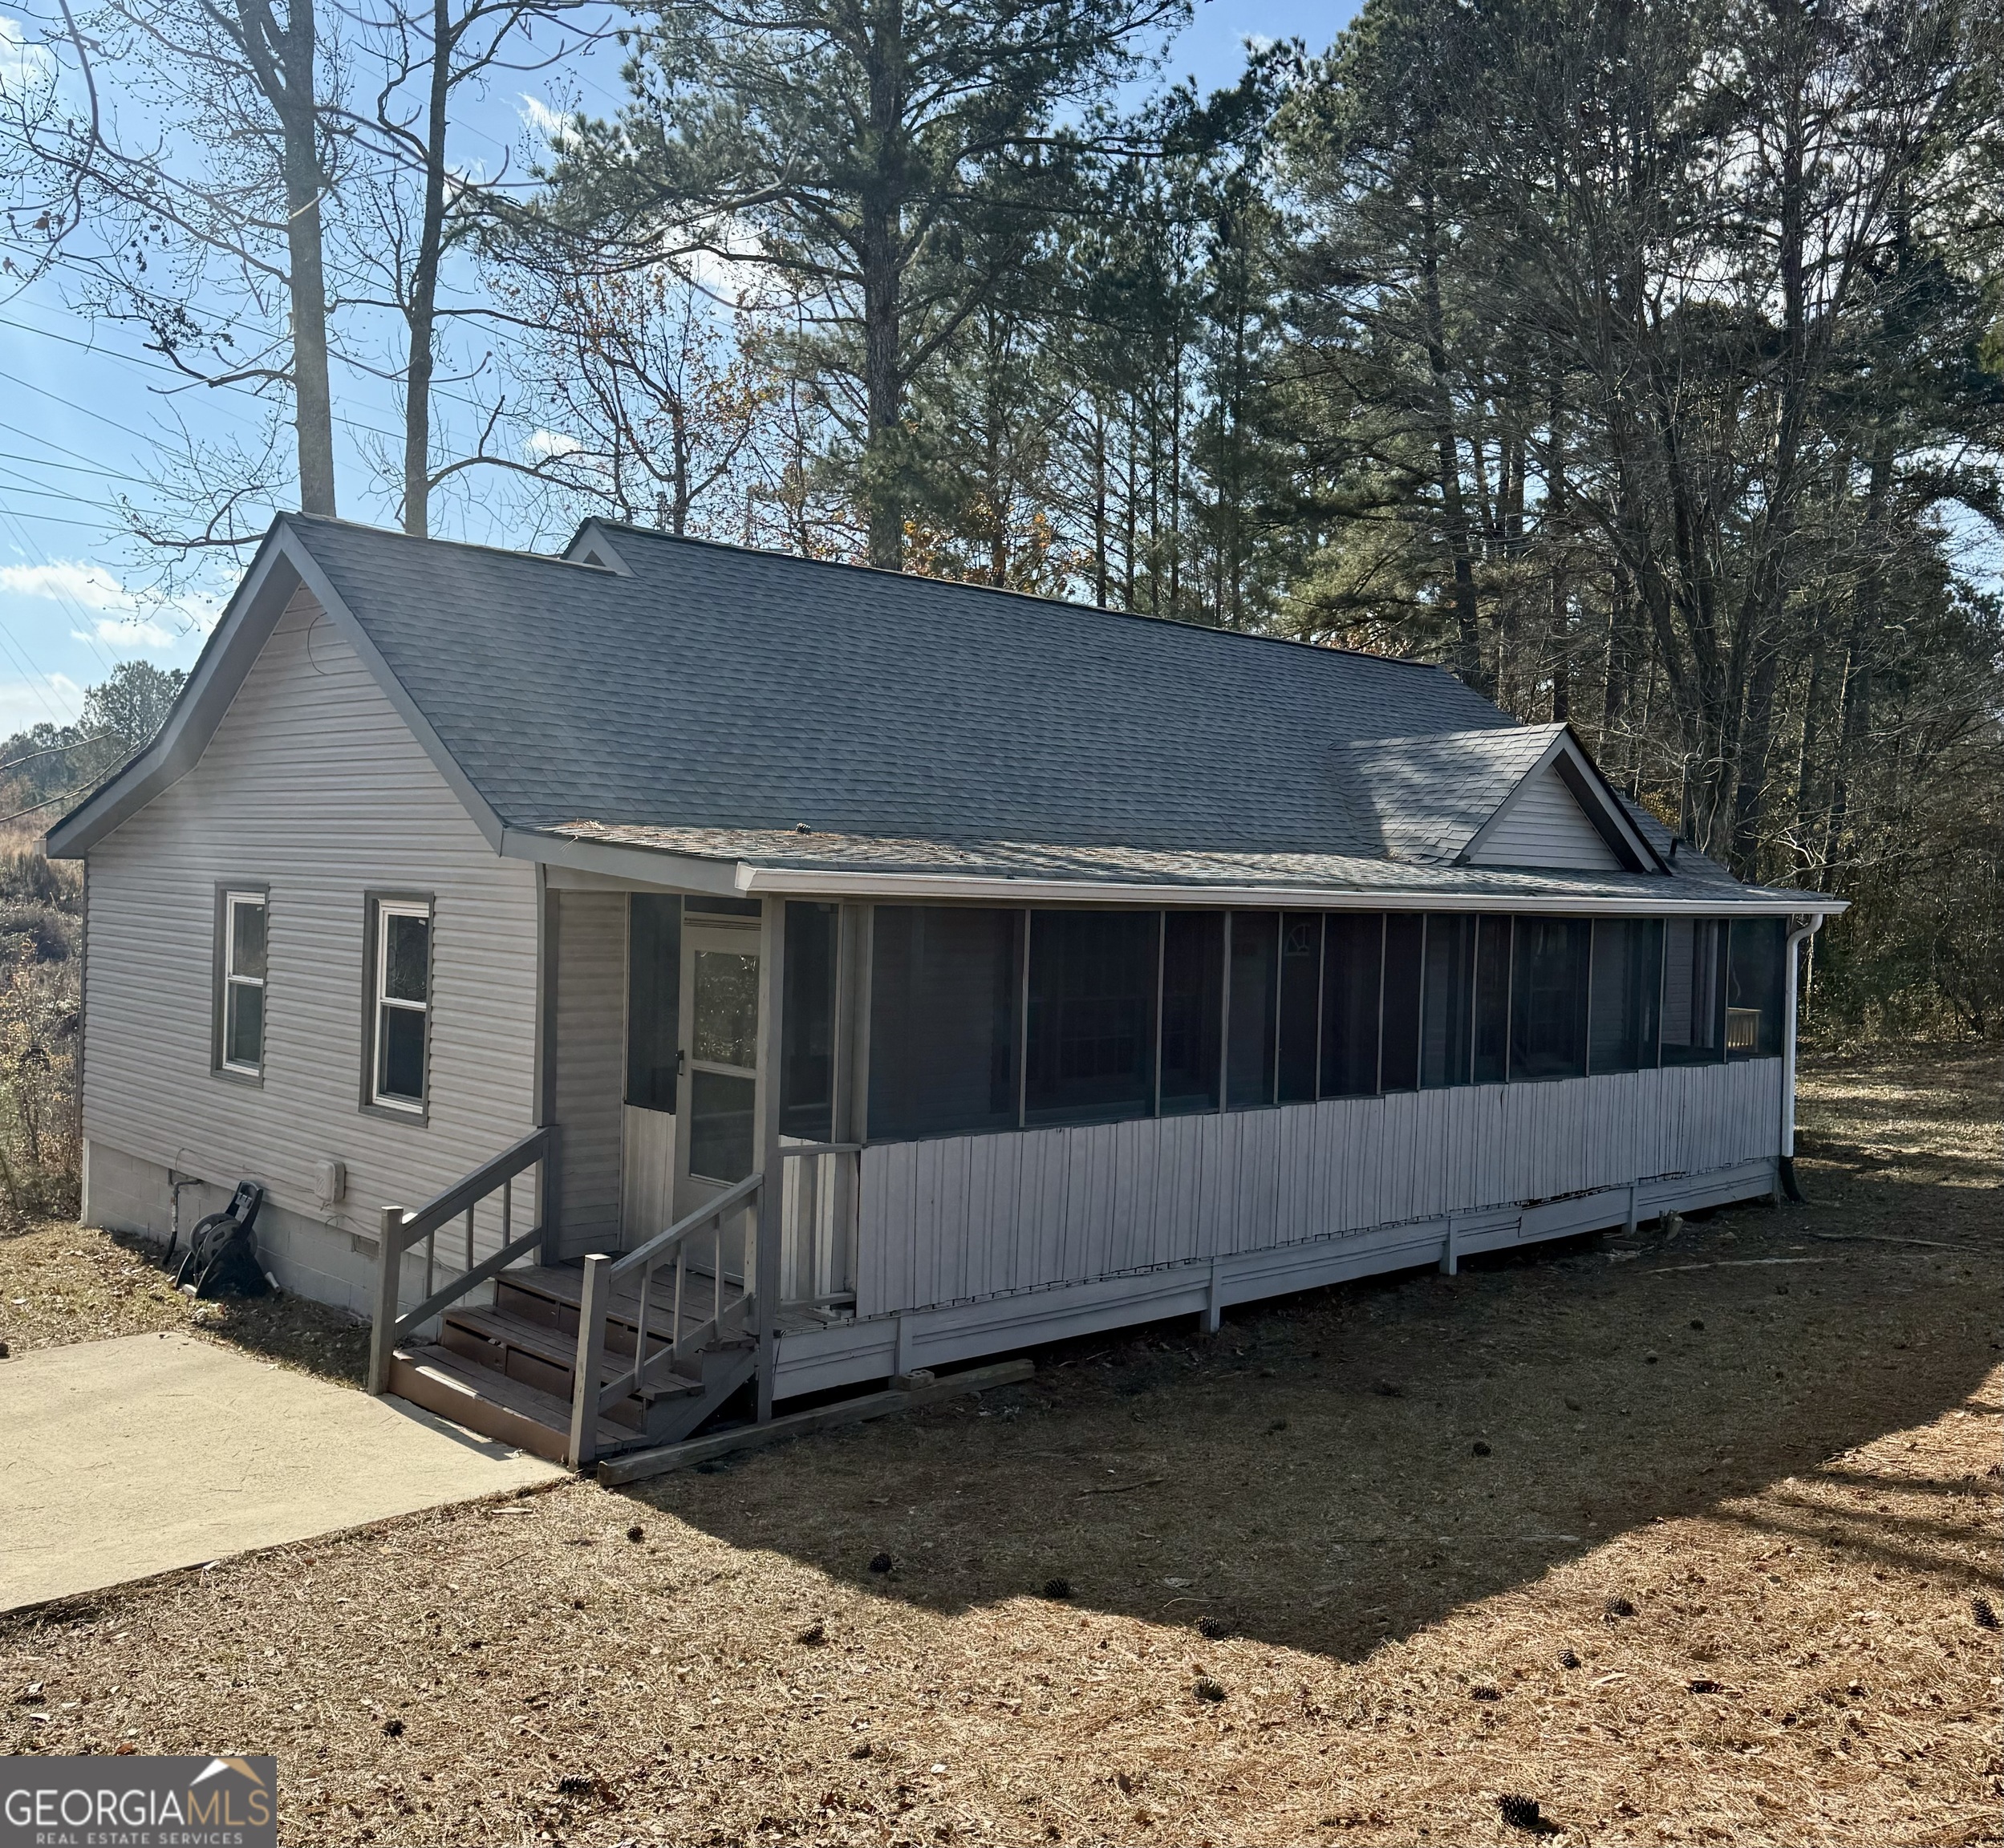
(386, 909)
(233, 980)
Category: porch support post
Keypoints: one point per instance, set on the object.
(772, 1193)
(549, 1203)
(389, 1272)
(1451, 1252)
(593, 1299)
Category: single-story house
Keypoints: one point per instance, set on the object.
(638, 973)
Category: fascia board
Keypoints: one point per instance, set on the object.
(920, 888)
(246, 623)
(636, 865)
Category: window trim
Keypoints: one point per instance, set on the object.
(377, 905)
(229, 892)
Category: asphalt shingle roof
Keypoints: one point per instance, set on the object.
(718, 695)
(718, 688)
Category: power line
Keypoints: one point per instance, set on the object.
(53, 750)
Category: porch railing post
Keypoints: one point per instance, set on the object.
(389, 1272)
(550, 1195)
(593, 1301)
(772, 1193)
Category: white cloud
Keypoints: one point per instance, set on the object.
(21, 62)
(546, 443)
(135, 632)
(124, 619)
(65, 581)
(539, 119)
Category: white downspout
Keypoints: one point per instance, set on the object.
(1796, 939)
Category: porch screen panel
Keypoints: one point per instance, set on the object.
(1548, 998)
(1254, 1016)
(1301, 1004)
(1627, 982)
(653, 998)
(943, 995)
(1754, 986)
(1399, 1060)
(1193, 1000)
(1090, 1056)
(807, 1030)
(1491, 1062)
(1694, 991)
(1447, 1000)
(1352, 964)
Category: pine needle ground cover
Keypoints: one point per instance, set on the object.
(1688, 1537)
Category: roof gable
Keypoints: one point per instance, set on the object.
(1521, 796)
(283, 570)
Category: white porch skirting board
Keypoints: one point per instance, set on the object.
(849, 1353)
(962, 1218)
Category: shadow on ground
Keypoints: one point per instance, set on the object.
(1350, 1466)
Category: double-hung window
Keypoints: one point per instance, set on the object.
(399, 1004)
(240, 1003)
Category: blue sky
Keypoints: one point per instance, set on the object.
(83, 406)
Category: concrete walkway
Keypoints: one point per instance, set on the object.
(124, 1458)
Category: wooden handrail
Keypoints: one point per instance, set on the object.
(399, 1231)
(643, 1256)
(487, 1267)
(602, 1274)
(474, 1187)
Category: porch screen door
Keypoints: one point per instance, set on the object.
(716, 1141)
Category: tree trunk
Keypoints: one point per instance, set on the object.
(1468, 661)
(1099, 504)
(422, 312)
(283, 60)
(1560, 606)
(880, 230)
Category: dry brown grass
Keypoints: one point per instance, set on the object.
(61, 1283)
(1797, 1499)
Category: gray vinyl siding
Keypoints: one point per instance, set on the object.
(312, 786)
(1546, 827)
(591, 1017)
(966, 1217)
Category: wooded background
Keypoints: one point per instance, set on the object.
(1644, 363)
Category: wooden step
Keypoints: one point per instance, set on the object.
(550, 1294)
(541, 1356)
(491, 1403)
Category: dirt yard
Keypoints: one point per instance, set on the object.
(1689, 1538)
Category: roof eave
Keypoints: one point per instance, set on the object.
(918, 888)
(623, 860)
